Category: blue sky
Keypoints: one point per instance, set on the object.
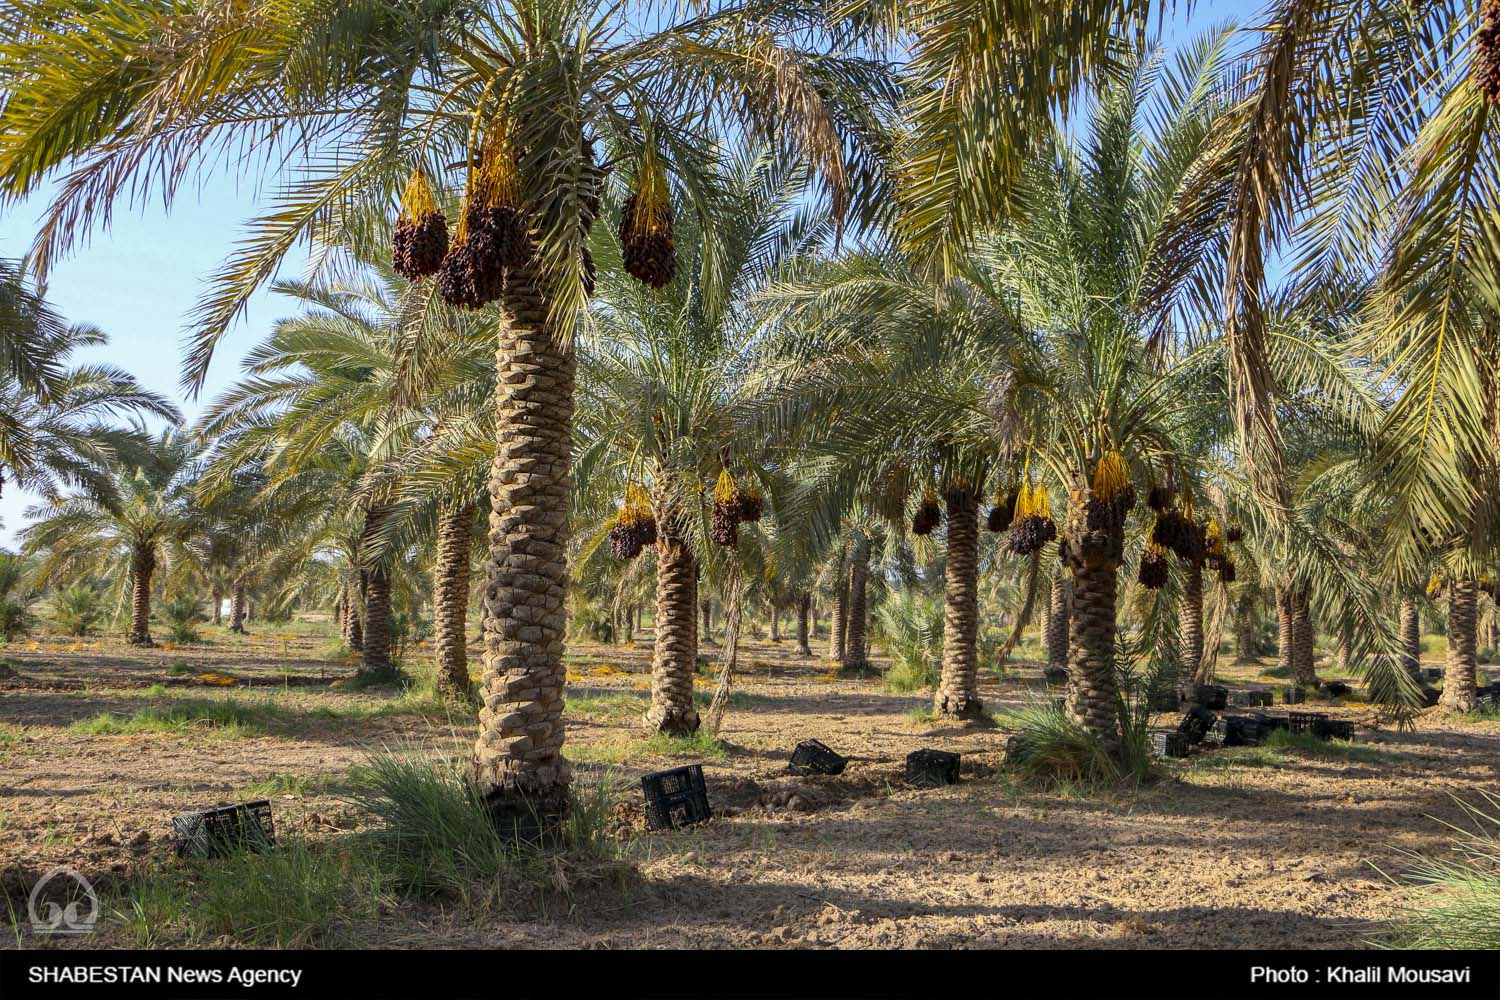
(139, 280)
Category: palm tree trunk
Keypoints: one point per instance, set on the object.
(1285, 640)
(838, 621)
(804, 612)
(1191, 618)
(1346, 647)
(518, 762)
(812, 619)
(775, 623)
(142, 565)
(675, 657)
(1091, 651)
(706, 635)
(217, 600)
(1094, 557)
(356, 623)
(1056, 629)
(1302, 641)
(957, 695)
(376, 661)
(628, 635)
(450, 598)
(237, 607)
(1458, 673)
(1411, 638)
(854, 629)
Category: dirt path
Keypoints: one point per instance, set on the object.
(1227, 850)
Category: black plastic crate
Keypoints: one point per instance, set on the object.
(1055, 675)
(1166, 743)
(1335, 729)
(1432, 673)
(931, 768)
(1210, 696)
(1252, 699)
(676, 798)
(1337, 689)
(1293, 696)
(1196, 724)
(1240, 731)
(1271, 722)
(1163, 700)
(1305, 722)
(813, 757)
(225, 830)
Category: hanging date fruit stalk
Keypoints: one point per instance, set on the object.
(1111, 496)
(1487, 51)
(1003, 512)
(724, 522)
(1234, 533)
(1033, 525)
(420, 241)
(634, 527)
(646, 226)
(494, 232)
(928, 515)
(1153, 571)
(748, 506)
(1213, 544)
(1226, 570)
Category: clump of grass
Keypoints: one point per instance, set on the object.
(1456, 899)
(435, 835)
(227, 717)
(1484, 715)
(922, 715)
(608, 707)
(286, 783)
(702, 745)
(292, 896)
(10, 737)
(1051, 750)
(909, 627)
(1313, 745)
(179, 668)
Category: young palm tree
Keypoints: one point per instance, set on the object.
(147, 514)
(667, 391)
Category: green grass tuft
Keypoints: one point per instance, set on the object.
(228, 717)
(1311, 745)
(1456, 898)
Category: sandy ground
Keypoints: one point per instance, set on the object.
(1229, 849)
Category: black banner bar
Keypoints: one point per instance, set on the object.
(742, 975)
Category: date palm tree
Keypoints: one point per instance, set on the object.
(125, 534)
(368, 99)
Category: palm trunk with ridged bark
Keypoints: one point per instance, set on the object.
(376, 659)
(1285, 641)
(1459, 693)
(1411, 638)
(957, 695)
(838, 621)
(1191, 622)
(855, 654)
(804, 612)
(775, 623)
(1094, 557)
(1058, 612)
(706, 633)
(237, 607)
(675, 657)
(517, 762)
(450, 599)
(142, 565)
(217, 600)
(1303, 670)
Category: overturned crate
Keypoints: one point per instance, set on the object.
(1210, 696)
(1168, 743)
(1196, 723)
(1305, 722)
(225, 830)
(1238, 731)
(1334, 729)
(1252, 699)
(676, 798)
(813, 757)
(1293, 695)
(931, 768)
